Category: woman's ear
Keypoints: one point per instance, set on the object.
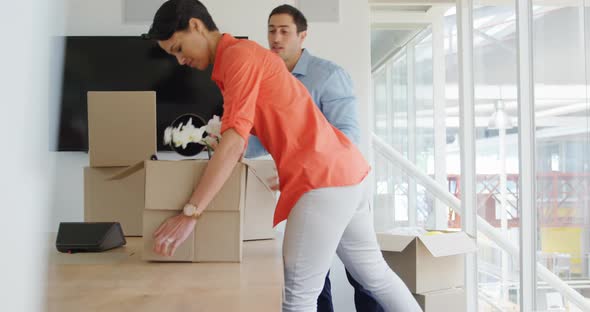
(195, 24)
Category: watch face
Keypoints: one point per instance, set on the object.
(190, 210)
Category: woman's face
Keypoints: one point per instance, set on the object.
(189, 46)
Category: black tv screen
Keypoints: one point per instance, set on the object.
(129, 64)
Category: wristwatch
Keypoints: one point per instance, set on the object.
(191, 210)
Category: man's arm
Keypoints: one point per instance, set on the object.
(339, 104)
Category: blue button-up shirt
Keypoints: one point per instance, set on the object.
(332, 91)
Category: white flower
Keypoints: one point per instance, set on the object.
(214, 127)
(188, 133)
(185, 134)
(177, 136)
(189, 125)
(194, 135)
(168, 136)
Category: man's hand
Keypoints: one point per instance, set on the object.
(172, 233)
(273, 183)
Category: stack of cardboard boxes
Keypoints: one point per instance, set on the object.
(122, 126)
(431, 265)
(121, 132)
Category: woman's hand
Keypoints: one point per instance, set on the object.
(172, 233)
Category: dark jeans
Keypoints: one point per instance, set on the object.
(363, 300)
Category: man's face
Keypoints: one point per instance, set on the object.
(188, 46)
(283, 38)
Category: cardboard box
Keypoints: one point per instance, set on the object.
(427, 262)
(121, 127)
(114, 201)
(123, 200)
(260, 200)
(218, 233)
(442, 300)
(114, 143)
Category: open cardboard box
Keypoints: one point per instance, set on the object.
(168, 184)
(123, 199)
(218, 233)
(442, 300)
(109, 201)
(427, 262)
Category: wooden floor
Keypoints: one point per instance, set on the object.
(119, 280)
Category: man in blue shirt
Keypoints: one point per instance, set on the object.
(329, 85)
(332, 90)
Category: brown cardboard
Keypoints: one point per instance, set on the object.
(114, 200)
(213, 244)
(216, 238)
(260, 200)
(442, 300)
(121, 127)
(418, 259)
(169, 185)
(218, 233)
(259, 204)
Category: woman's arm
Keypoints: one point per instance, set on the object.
(224, 160)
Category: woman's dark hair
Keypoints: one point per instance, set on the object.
(298, 17)
(174, 15)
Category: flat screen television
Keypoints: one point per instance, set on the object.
(120, 63)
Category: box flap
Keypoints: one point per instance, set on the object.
(121, 127)
(123, 173)
(448, 244)
(260, 200)
(259, 169)
(390, 242)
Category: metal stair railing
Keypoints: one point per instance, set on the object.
(387, 151)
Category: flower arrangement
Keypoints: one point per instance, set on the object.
(213, 130)
(184, 134)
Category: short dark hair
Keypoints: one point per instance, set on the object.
(298, 17)
(174, 15)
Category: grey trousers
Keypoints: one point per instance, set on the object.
(330, 221)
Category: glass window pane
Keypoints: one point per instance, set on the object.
(424, 143)
(399, 88)
(380, 103)
(560, 47)
(453, 149)
(496, 109)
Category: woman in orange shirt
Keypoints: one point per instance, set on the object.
(325, 194)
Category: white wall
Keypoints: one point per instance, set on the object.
(346, 43)
(25, 166)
